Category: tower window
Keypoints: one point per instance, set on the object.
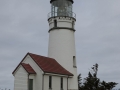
(72, 24)
(74, 61)
(50, 82)
(30, 84)
(55, 23)
(61, 83)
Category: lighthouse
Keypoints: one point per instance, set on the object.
(61, 46)
(57, 71)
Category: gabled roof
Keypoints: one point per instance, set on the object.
(28, 68)
(48, 65)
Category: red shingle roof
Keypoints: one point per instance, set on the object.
(28, 68)
(49, 65)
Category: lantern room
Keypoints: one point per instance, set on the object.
(61, 8)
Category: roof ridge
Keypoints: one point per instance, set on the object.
(40, 55)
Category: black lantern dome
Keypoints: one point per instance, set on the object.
(56, 0)
(61, 8)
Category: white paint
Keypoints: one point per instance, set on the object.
(21, 79)
(57, 75)
(37, 80)
(21, 76)
(62, 46)
(62, 22)
(55, 82)
(32, 76)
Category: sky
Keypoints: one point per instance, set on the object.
(24, 28)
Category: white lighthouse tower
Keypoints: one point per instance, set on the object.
(58, 71)
(61, 37)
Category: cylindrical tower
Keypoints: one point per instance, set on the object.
(61, 37)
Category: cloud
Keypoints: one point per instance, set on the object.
(24, 28)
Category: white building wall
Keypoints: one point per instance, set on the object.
(64, 83)
(62, 46)
(37, 82)
(21, 79)
(32, 76)
(55, 82)
(46, 82)
(61, 22)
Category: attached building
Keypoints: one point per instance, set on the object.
(37, 72)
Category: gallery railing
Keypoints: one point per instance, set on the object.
(61, 14)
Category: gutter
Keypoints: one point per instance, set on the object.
(28, 80)
(67, 82)
(43, 81)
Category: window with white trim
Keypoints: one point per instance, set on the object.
(61, 83)
(73, 24)
(50, 82)
(30, 84)
(55, 23)
(74, 61)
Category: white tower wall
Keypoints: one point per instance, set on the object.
(62, 46)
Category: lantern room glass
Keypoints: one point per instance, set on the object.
(61, 8)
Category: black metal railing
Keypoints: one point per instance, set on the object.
(62, 14)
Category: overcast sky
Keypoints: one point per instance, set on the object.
(24, 28)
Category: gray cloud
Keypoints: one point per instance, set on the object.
(24, 28)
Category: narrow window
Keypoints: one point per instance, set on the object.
(55, 23)
(74, 61)
(72, 24)
(61, 83)
(30, 84)
(50, 82)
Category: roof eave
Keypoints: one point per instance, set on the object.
(57, 74)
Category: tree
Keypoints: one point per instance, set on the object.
(92, 82)
(80, 82)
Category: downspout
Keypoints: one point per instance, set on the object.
(28, 80)
(43, 81)
(67, 82)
